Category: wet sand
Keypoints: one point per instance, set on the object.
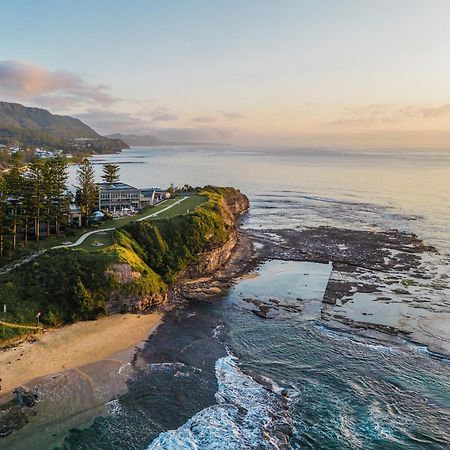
(73, 346)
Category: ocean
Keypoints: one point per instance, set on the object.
(218, 376)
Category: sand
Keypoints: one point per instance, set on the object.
(73, 346)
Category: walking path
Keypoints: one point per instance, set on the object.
(162, 210)
(82, 238)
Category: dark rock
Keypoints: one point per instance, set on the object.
(25, 397)
(12, 417)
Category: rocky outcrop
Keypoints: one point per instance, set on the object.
(234, 204)
(237, 203)
(25, 397)
(210, 261)
(124, 298)
(123, 273)
(122, 303)
(14, 413)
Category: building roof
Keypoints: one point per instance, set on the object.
(119, 186)
(151, 189)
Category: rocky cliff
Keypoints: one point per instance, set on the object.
(157, 248)
(233, 205)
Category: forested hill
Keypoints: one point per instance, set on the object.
(18, 116)
(22, 125)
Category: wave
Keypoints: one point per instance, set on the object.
(251, 412)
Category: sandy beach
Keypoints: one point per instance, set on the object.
(73, 346)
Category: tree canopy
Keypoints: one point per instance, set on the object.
(110, 173)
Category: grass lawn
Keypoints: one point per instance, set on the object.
(92, 242)
(125, 220)
(184, 207)
(43, 243)
(106, 238)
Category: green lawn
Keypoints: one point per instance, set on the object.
(125, 220)
(184, 207)
(93, 242)
(106, 239)
(43, 243)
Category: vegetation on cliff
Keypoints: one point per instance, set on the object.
(69, 285)
(25, 126)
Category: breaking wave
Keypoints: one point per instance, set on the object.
(251, 412)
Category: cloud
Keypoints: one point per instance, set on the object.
(379, 114)
(109, 122)
(204, 119)
(158, 114)
(427, 113)
(201, 134)
(363, 121)
(231, 114)
(24, 80)
(161, 115)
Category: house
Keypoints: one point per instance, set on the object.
(118, 196)
(152, 196)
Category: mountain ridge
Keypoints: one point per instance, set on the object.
(32, 126)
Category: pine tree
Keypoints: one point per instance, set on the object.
(14, 187)
(60, 193)
(3, 213)
(87, 191)
(55, 198)
(37, 180)
(27, 206)
(110, 173)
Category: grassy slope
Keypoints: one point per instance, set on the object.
(106, 239)
(53, 240)
(69, 285)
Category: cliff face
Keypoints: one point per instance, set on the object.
(237, 203)
(157, 249)
(233, 205)
(125, 300)
(210, 261)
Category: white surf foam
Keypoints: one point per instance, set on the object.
(248, 414)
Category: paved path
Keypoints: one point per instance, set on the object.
(82, 238)
(162, 210)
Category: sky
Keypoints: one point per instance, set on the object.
(328, 73)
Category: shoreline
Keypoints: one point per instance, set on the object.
(73, 346)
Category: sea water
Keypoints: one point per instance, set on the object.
(218, 376)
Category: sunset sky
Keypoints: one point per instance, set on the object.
(306, 73)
